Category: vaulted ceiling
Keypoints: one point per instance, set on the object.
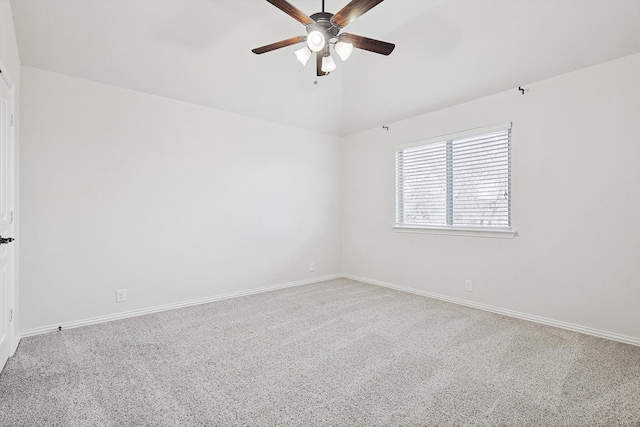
(447, 52)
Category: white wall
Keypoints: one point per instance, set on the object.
(175, 202)
(169, 200)
(8, 44)
(11, 66)
(576, 198)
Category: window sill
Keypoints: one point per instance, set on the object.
(457, 231)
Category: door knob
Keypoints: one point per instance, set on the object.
(4, 240)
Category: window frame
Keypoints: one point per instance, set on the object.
(507, 232)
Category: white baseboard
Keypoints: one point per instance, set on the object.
(159, 308)
(530, 317)
(14, 347)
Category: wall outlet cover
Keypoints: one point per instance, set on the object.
(121, 295)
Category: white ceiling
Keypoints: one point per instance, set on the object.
(199, 51)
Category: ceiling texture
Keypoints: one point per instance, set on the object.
(199, 51)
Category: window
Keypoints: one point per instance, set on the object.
(460, 181)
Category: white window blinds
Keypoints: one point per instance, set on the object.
(461, 180)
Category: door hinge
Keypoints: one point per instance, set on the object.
(11, 123)
(11, 315)
(11, 218)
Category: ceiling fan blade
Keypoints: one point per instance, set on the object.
(353, 10)
(278, 45)
(365, 43)
(292, 11)
(319, 71)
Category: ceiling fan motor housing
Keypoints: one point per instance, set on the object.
(323, 24)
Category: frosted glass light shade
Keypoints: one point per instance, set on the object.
(315, 41)
(343, 50)
(328, 64)
(303, 55)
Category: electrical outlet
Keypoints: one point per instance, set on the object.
(312, 266)
(468, 286)
(121, 295)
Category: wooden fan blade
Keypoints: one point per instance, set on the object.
(319, 71)
(365, 43)
(353, 10)
(278, 45)
(292, 11)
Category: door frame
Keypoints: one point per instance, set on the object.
(14, 335)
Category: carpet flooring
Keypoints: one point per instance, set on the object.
(336, 353)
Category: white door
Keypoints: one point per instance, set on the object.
(6, 217)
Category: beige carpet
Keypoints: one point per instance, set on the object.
(337, 353)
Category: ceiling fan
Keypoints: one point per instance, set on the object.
(323, 31)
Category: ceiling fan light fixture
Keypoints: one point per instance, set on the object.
(324, 33)
(316, 41)
(343, 49)
(328, 64)
(303, 55)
